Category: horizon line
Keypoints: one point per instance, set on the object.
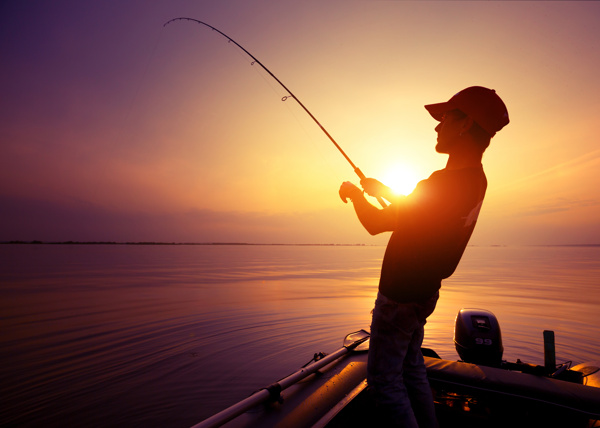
(38, 242)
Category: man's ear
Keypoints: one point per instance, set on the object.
(467, 124)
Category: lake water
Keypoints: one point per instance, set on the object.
(166, 335)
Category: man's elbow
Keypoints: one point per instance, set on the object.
(374, 229)
(374, 220)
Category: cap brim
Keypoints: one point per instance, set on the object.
(437, 110)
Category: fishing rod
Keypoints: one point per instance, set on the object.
(291, 94)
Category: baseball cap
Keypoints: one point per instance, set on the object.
(483, 105)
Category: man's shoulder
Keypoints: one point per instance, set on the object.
(458, 176)
(448, 184)
(460, 172)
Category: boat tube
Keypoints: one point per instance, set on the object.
(480, 390)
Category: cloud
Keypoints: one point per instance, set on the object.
(587, 161)
(559, 205)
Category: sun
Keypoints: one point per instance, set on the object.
(401, 179)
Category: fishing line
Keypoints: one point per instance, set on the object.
(289, 94)
(292, 109)
(277, 91)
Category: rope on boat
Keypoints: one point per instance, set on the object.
(316, 357)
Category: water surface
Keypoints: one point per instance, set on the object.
(109, 335)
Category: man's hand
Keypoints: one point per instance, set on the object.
(349, 190)
(374, 187)
(373, 219)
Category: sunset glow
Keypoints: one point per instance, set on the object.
(402, 180)
(116, 128)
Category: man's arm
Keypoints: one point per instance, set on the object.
(373, 219)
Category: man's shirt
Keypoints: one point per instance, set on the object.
(432, 228)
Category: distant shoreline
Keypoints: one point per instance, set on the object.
(256, 244)
(174, 243)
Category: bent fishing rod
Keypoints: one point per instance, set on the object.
(291, 94)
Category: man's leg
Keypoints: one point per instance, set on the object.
(391, 334)
(415, 373)
(417, 384)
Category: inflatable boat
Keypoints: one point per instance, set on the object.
(480, 390)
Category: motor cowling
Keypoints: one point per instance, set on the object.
(477, 337)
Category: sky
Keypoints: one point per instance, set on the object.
(114, 127)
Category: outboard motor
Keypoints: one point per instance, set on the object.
(477, 337)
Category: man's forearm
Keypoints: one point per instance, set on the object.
(372, 218)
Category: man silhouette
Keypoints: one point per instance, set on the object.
(430, 231)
